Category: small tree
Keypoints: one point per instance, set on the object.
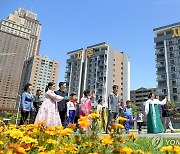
(134, 109)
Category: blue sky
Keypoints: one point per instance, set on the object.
(126, 25)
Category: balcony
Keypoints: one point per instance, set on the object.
(159, 52)
(160, 58)
(159, 46)
(161, 79)
(160, 65)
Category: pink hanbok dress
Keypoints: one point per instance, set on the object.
(85, 106)
(48, 111)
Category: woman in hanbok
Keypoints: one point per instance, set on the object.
(154, 123)
(48, 111)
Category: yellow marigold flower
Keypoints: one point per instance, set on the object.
(28, 139)
(139, 151)
(51, 152)
(12, 126)
(121, 119)
(83, 122)
(66, 131)
(111, 133)
(27, 147)
(60, 127)
(1, 142)
(177, 149)
(15, 133)
(73, 126)
(50, 141)
(167, 149)
(21, 150)
(51, 128)
(50, 132)
(1, 129)
(126, 150)
(40, 122)
(94, 115)
(119, 126)
(106, 140)
(132, 136)
(122, 140)
(41, 149)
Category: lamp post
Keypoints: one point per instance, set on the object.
(17, 115)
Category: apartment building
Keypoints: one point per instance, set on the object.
(98, 67)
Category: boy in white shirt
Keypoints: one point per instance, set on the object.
(71, 109)
(139, 119)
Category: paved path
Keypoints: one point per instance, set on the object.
(166, 135)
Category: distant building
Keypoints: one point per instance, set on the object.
(167, 50)
(39, 71)
(139, 96)
(98, 68)
(19, 40)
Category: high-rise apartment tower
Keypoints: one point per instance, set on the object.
(167, 50)
(98, 68)
(19, 40)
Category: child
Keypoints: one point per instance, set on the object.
(101, 111)
(128, 114)
(71, 109)
(139, 119)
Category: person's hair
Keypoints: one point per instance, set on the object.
(114, 87)
(27, 86)
(49, 85)
(99, 101)
(150, 95)
(128, 101)
(38, 90)
(86, 92)
(72, 94)
(61, 83)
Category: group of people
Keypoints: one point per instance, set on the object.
(57, 108)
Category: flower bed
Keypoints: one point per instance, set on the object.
(38, 138)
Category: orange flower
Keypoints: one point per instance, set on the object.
(121, 119)
(83, 122)
(66, 131)
(132, 136)
(126, 150)
(26, 146)
(106, 140)
(122, 140)
(119, 126)
(94, 115)
(40, 123)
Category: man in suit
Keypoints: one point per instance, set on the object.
(62, 106)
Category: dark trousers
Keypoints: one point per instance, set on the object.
(24, 116)
(139, 126)
(111, 116)
(63, 117)
(71, 117)
(33, 115)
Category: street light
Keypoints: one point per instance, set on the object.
(19, 103)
